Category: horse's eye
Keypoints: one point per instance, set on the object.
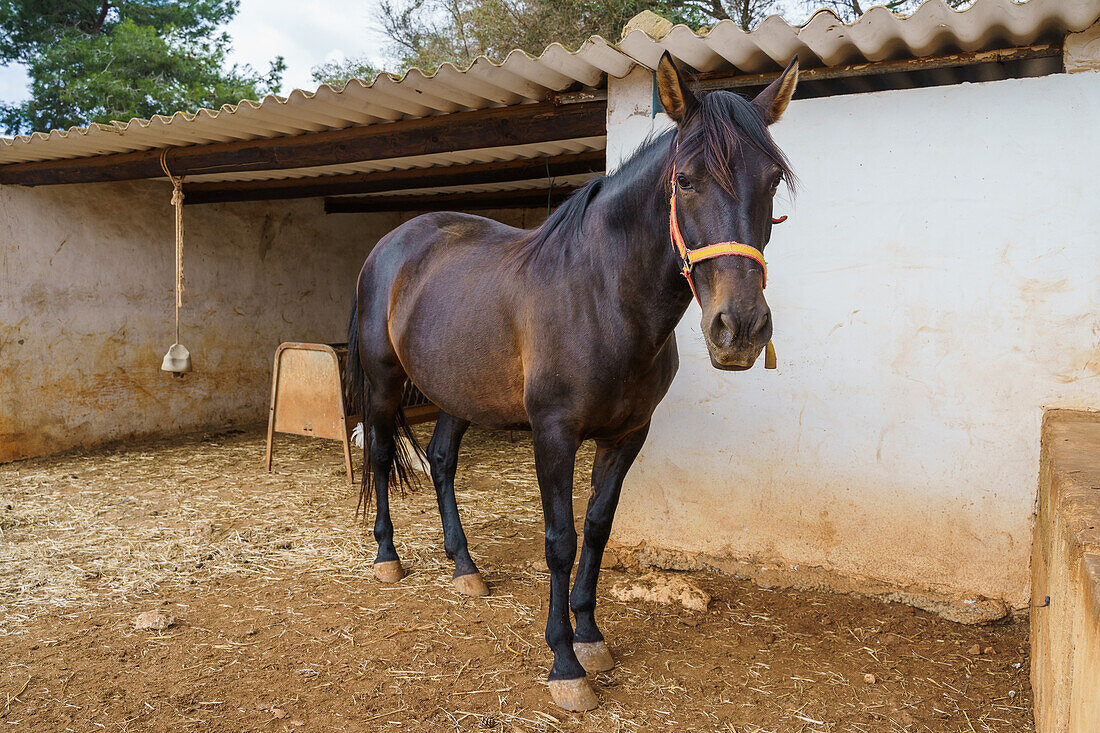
(683, 182)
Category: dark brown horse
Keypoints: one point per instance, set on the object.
(567, 330)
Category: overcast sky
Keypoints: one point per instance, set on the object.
(304, 33)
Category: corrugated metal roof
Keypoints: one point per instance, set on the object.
(878, 35)
(934, 29)
(519, 79)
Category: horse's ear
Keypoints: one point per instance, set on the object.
(774, 99)
(679, 101)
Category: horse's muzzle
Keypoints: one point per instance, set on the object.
(734, 362)
(735, 339)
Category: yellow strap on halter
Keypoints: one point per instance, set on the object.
(769, 357)
(724, 248)
(727, 248)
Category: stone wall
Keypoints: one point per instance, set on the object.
(86, 293)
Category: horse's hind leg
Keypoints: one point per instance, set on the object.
(443, 457)
(612, 462)
(384, 401)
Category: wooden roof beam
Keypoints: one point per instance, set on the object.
(396, 180)
(731, 80)
(481, 201)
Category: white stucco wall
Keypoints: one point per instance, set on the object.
(935, 289)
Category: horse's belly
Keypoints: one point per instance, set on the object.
(469, 367)
(466, 387)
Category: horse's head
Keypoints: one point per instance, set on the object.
(723, 173)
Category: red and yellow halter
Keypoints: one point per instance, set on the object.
(691, 256)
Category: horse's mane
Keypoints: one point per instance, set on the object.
(569, 216)
(722, 122)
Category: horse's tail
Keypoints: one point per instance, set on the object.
(355, 388)
(356, 394)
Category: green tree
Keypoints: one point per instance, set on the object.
(102, 60)
(426, 33)
(337, 73)
(850, 10)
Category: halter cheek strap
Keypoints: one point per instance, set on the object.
(691, 256)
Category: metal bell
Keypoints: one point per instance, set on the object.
(177, 360)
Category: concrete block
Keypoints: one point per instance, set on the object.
(1065, 566)
(1081, 51)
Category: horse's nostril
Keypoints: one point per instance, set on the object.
(730, 324)
(723, 330)
(762, 322)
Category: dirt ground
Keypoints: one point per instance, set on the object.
(280, 626)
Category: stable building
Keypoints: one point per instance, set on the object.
(934, 290)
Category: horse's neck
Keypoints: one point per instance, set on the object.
(639, 263)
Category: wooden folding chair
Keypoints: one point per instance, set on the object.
(307, 397)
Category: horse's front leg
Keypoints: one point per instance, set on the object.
(555, 455)
(612, 462)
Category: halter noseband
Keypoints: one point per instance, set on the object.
(691, 256)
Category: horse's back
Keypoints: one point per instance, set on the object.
(429, 242)
(436, 234)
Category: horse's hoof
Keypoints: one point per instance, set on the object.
(594, 656)
(472, 585)
(389, 571)
(576, 695)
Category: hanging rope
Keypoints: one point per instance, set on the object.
(549, 188)
(177, 202)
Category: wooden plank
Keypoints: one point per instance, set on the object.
(421, 413)
(526, 199)
(732, 80)
(516, 125)
(396, 180)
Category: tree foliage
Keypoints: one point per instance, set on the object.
(102, 60)
(850, 10)
(337, 73)
(426, 33)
